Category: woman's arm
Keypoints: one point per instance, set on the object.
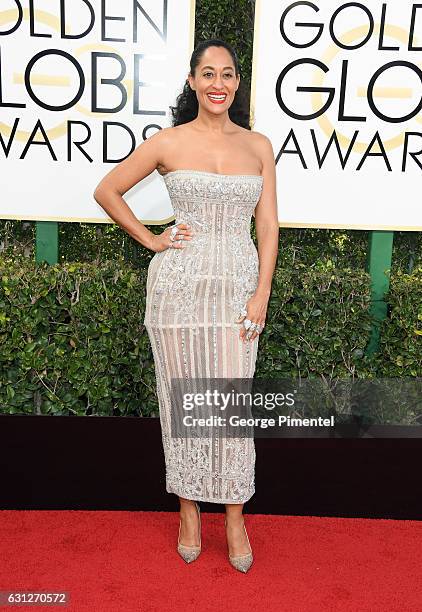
(266, 223)
(139, 164)
(266, 218)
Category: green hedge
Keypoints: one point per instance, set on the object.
(318, 324)
(401, 331)
(72, 340)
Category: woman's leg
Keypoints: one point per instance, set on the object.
(189, 529)
(235, 532)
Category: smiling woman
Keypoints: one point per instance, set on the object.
(207, 286)
(228, 91)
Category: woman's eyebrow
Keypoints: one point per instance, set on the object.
(212, 67)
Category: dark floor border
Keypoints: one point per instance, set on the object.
(115, 463)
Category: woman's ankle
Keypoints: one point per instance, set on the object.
(235, 519)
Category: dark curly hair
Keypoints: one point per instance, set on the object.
(186, 108)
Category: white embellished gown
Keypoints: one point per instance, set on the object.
(194, 296)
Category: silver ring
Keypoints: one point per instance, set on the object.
(247, 323)
(173, 232)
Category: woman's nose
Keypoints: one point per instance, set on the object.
(218, 82)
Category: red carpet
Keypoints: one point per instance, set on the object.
(127, 561)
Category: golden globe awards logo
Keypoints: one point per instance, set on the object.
(110, 64)
(392, 91)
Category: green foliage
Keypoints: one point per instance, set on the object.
(318, 324)
(72, 340)
(401, 332)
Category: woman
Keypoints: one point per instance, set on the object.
(208, 287)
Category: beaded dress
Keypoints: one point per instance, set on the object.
(194, 297)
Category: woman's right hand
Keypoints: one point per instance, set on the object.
(161, 242)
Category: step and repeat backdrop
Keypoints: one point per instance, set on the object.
(80, 89)
(337, 87)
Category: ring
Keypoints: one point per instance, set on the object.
(252, 327)
(173, 232)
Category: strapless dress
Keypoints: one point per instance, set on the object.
(194, 297)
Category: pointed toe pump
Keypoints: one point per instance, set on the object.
(190, 553)
(242, 562)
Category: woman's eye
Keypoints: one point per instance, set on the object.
(226, 75)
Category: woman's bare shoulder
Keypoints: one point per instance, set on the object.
(169, 136)
(260, 139)
(166, 135)
(262, 145)
(254, 138)
(167, 141)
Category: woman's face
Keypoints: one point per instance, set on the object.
(215, 80)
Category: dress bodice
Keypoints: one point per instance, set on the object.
(218, 207)
(213, 203)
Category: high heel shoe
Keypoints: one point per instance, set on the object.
(190, 553)
(242, 562)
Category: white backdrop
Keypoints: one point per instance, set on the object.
(379, 195)
(45, 174)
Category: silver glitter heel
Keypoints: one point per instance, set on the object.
(242, 562)
(190, 553)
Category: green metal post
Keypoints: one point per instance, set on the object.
(47, 242)
(379, 267)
